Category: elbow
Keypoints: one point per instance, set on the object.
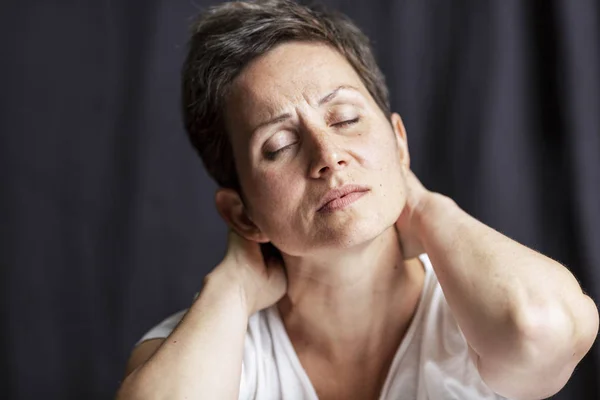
(547, 345)
(586, 329)
(558, 333)
(555, 340)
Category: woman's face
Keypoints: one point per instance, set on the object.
(301, 124)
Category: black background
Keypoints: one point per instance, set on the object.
(107, 223)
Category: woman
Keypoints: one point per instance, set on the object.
(382, 289)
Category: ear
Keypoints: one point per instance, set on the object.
(231, 208)
(400, 134)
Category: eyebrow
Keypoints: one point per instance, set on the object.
(324, 100)
(334, 93)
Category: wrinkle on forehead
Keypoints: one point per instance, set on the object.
(291, 75)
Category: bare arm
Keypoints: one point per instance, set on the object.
(523, 314)
(202, 358)
(142, 353)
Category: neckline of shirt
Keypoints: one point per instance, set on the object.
(276, 323)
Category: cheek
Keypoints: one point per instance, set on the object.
(276, 196)
(275, 185)
(380, 152)
(382, 157)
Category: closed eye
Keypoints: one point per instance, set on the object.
(346, 123)
(272, 155)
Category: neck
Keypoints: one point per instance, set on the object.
(351, 303)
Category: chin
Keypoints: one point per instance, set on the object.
(344, 230)
(352, 232)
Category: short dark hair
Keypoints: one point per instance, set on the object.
(227, 37)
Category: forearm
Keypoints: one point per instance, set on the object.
(510, 302)
(203, 356)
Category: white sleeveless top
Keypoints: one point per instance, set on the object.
(431, 363)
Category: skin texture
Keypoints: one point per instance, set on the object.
(345, 267)
(348, 283)
(321, 147)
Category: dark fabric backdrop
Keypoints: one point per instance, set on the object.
(107, 222)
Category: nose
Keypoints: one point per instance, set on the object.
(326, 156)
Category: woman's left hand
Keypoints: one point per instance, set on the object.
(407, 224)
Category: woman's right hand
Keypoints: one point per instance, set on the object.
(261, 282)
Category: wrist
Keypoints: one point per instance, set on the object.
(431, 211)
(225, 285)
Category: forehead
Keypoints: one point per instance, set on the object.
(291, 74)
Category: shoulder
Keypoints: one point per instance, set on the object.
(149, 343)
(263, 356)
(164, 328)
(258, 363)
(263, 337)
(258, 333)
(444, 351)
(441, 335)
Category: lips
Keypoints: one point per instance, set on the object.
(341, 197)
